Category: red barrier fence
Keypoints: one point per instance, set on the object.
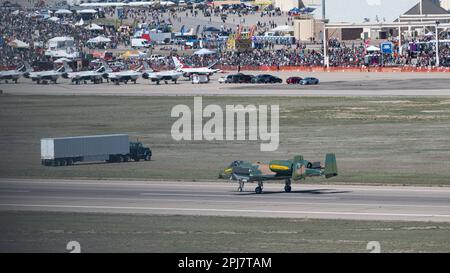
(337, 69)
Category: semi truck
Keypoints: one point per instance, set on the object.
(110, 148)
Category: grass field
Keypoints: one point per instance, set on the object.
(376, 140)
(50, 232)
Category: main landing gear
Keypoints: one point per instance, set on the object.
(287, 187)
(259, 189)
(241, 185)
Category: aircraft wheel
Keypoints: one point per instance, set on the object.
(258, 190)
(287, 188)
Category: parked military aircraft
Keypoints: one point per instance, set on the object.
(158, 76)
(46, 76)
(189, 71)
(121, 76)
(287, 170)
(13, 75)
(95, 76)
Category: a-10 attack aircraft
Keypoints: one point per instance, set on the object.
(287, 170)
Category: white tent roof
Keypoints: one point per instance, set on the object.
(204, 51)
(63, 11)
(53, 19)
(99, 39)
(373, 48)
(80, 23)
(94, 26)
(284, 28)
(19, 44)
(61, 60)
(87, 11)
(61, 39)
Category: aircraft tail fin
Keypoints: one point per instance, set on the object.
(27, 67)
(330, 166)
(106, 66)
(298, 169)
(67, 68)
(147, 68)
(212, 66)
(178, 63)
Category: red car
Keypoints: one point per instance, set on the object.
(294, 80)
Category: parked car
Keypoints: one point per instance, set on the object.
(308, 81)
(239, 78)
(294, 80)
(265, 78)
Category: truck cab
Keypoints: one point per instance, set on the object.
(138, 151)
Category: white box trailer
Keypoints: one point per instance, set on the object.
(68, 150)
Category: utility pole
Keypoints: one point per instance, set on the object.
(326, 62)
(323, 10)
(437, 44)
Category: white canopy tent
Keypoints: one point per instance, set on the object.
(62, 60)
(204, 51)
(373, 48)
(19, 44)
(87, 11)
(99, 39)
(63, 12)
(53, 19)
(93, 26)
(79, 23)
(284, 28)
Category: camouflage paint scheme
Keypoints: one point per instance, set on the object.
(288, 170)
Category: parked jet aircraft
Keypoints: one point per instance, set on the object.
(188, 71)
(287, 170)
(158, 76)
(46, 76)
(95, 76)
(13, 75)
(121, 76)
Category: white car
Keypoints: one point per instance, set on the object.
(222, 80)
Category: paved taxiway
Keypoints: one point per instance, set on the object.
(221, 199)
(332, 85)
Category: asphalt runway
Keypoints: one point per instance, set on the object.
(337, 84)
(222, 199)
